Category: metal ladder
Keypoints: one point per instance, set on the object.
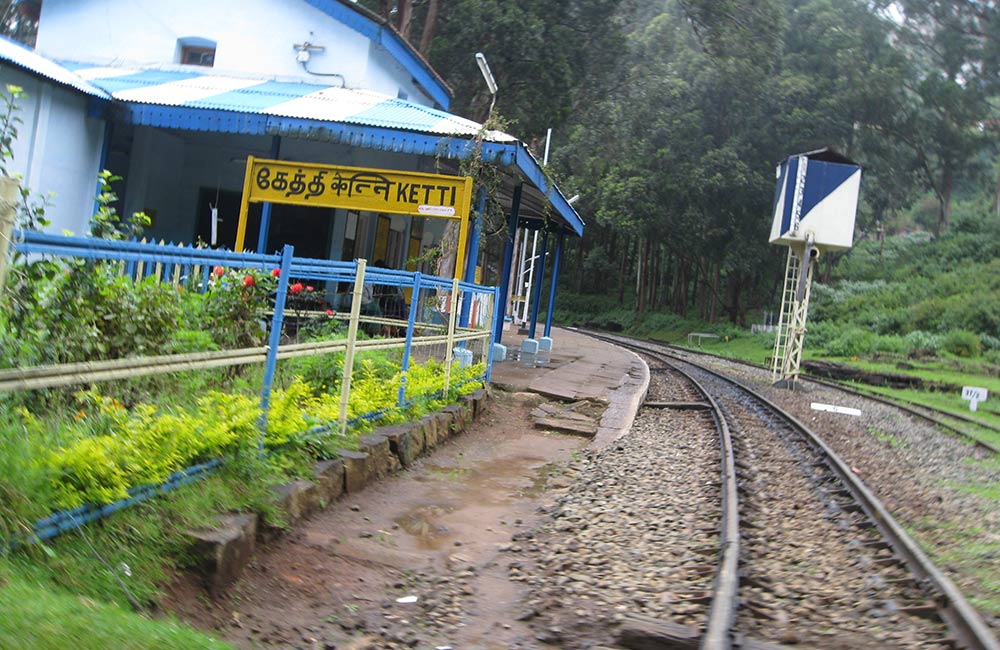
(790, 336)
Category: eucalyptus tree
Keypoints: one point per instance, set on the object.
(954, 49)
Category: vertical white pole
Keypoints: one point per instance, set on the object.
(456, 300)
(352, 338)
(531, 277)
(521, 271)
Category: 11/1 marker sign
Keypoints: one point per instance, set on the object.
(973, 395)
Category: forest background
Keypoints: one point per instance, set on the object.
(669, 117)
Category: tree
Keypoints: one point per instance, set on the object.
(19, 20)
(952, 46)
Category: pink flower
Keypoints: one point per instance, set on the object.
(219, 271)
(329, 312)
(249, 281)
(276, 273)
(308, 288)
(296, 288)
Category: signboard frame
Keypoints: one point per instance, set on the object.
(384, 191)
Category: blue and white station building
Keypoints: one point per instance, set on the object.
(174, 96)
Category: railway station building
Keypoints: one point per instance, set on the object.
(174, 97)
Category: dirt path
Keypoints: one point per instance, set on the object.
(436, 533)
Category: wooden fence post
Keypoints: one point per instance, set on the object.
(10, 193)
(352, 339)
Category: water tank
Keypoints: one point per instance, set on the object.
(817, 194)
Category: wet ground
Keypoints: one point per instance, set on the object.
(364, 570)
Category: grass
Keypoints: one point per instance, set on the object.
(46, 619)
(757, 350)
(145, 543)
(970, 551)
(77, 589)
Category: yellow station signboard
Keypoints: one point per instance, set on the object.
(357, 188)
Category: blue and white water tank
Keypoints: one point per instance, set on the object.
(817, 194)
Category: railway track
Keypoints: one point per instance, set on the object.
(956, 423)
(800, 550)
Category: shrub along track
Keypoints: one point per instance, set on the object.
(816, 570)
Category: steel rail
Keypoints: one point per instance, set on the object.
(725, 600)
(963, 621)
(904, 405)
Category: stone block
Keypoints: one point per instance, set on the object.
(545, 344)
(221, 553)
(445, 425)
(429, 425)
(459, 415)
(328, 475)
(381, 460)
(355, 469)
(406, 441)
(298, 500)
(481, 398)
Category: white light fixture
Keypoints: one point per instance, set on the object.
(487, 75)
(573, 199)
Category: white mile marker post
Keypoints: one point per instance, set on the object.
(973, 395)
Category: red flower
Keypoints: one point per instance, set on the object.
(276, 273)
(308, 288)
(219, 271)
(248, 281)
(296, 288)
(329, 312)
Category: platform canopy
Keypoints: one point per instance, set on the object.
(180, 98)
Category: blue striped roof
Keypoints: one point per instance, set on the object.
(26, 59)
(292, 98)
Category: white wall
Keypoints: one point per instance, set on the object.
(58, 149)
(253, 37)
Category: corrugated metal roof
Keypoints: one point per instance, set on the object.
(296, 99)
(24, 58)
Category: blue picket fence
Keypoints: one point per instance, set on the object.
(190, 266)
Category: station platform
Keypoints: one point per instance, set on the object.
(579, 368)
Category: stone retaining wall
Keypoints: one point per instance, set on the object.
(221, 553)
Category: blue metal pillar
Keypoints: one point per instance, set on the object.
(508, 261)
(277, 322)
(552, 289)
(405, 366)
(472, 260)
(539, 276)
(265, 210)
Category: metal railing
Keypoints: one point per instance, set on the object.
(191, 267)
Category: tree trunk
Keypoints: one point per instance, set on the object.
(384, 7)
(430, 25)
(947, 185)
(448, 247)
(621, 273)
(715, 294)
(640, 277)
(404, 17)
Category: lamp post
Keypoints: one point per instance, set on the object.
(491, 83)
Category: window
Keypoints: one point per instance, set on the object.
(191, 55)
(195, 50)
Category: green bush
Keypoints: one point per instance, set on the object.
(963, 343)
(920, 343)
(852, 342)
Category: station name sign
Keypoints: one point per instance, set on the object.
(383, 191)
(356, 188)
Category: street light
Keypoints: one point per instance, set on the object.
(491, 83)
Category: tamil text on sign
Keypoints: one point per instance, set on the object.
(354, 188)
